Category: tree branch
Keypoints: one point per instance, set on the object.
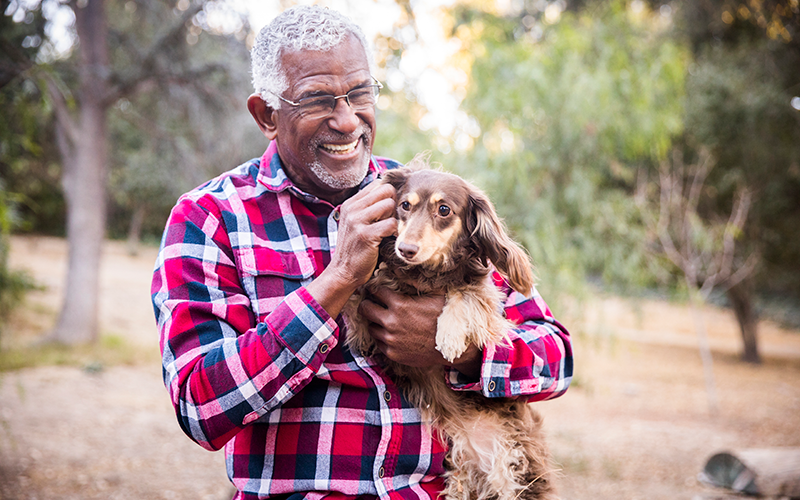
(149, 68)
(63, 116)
(738, 215)
(15, 62)
(667, 197)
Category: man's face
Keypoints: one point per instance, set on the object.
(326, 156)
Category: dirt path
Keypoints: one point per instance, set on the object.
(635, 424)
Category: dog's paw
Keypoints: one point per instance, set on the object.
(451, 339)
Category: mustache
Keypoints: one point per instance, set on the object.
(330, 136)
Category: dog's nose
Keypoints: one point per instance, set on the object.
(408, 250)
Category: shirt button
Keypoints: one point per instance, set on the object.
(336, 215)
(323, 348)
(387, 396)
(492, 385)
(381, 471)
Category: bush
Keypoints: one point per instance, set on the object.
(13, 284)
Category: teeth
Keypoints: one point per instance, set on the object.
(341, 148)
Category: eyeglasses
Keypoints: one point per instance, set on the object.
(320, 106)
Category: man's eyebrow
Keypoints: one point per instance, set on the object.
(365, 83)
(314, 93)
(319, 92)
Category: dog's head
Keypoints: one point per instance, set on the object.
(440, 216)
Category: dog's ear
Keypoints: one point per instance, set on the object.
(396, 177)
(489, 234)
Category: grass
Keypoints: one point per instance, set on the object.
(24, 344)
(110, 350)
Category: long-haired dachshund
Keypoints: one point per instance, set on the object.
(449, 237)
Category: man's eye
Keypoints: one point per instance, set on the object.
(360, 97)
(444, 210)
(405, 206)
(312, 104)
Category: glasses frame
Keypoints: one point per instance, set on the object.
(346, 97)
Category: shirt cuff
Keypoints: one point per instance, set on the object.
(303, 326)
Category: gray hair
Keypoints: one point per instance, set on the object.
(303, 27)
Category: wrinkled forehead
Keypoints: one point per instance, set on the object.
(433, 188)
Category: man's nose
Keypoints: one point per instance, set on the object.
(344, 118)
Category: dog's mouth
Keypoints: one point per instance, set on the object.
(414, 255)
(410, 262)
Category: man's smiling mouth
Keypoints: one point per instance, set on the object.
(340, 149)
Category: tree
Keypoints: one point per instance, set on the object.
(702, 246)
(742, 81)
(81, 98)
(162, 151)
(568, 110)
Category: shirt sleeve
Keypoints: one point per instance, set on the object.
(537, 362)
(224, 370)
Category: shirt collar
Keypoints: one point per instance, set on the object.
(272, 174)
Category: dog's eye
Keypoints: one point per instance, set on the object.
(405, 206)
(444, 210)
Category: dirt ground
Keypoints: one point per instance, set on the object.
(635, 425)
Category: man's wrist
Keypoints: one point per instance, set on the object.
(469, 363)
(331, 291)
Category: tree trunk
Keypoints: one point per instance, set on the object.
(135, 228)
(85, 175)
(696, 302)
(741, 298)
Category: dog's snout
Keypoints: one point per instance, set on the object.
(408, 250)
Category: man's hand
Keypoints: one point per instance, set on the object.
(404, 329)
(365, 219)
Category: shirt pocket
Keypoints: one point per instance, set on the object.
(268, 275)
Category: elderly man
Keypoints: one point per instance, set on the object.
(256, 265)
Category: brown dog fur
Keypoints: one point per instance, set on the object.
(497, 448)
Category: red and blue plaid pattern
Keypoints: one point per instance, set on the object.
(254, 364)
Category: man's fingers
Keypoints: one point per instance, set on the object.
(369, 196)
(383, 294)
(385, 227)
(376, 206)
(372, 312)
(380, 210)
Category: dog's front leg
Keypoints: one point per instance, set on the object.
(470, 316)
(452, 329)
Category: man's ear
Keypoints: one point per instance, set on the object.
(264, 116)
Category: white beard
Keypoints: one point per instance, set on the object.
(342, 180)
(351, 177)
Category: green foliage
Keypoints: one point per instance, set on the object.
(398, 137)
(184, 122)
(738, 104)
(567, 120)
(29, 163)
(176, 132)
(13, 284)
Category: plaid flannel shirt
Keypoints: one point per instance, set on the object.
(254, 364)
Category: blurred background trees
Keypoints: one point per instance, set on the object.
(568, 109)
(126, 52)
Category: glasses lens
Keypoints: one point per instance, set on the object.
(322, 106)
(364, 97)
(317, 107)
